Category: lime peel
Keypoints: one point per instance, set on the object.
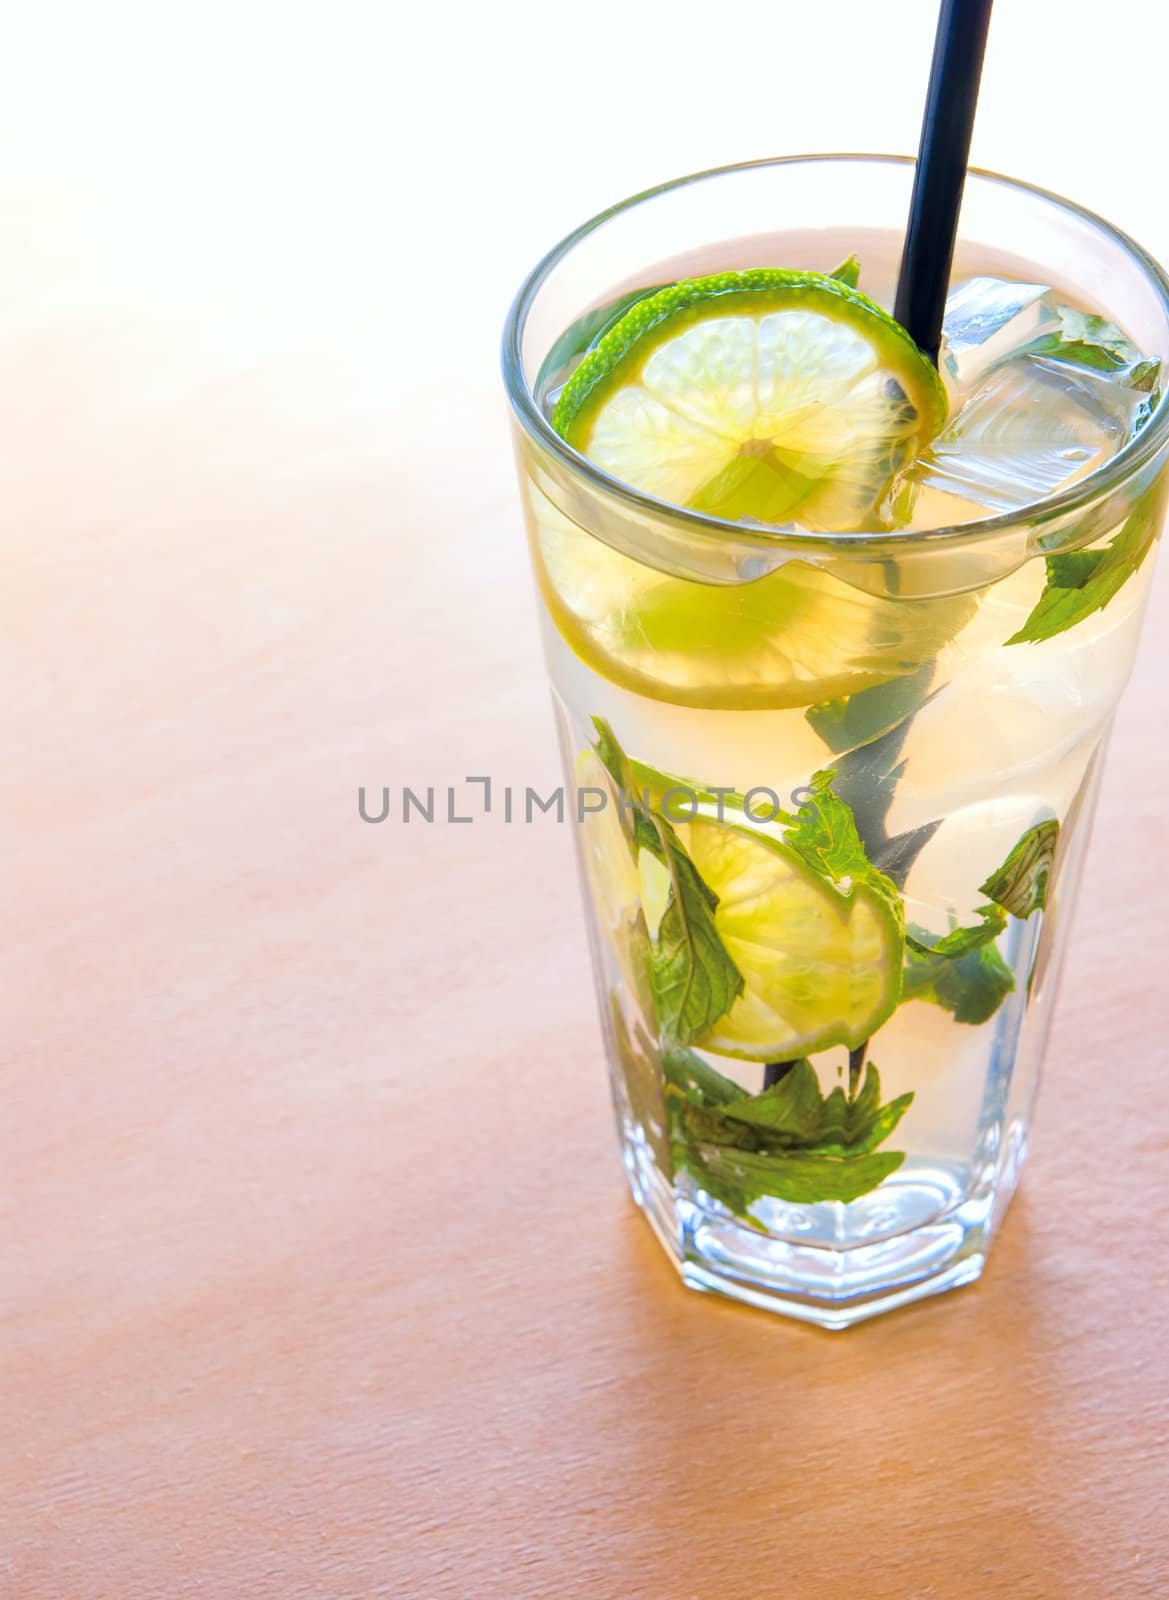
(821, 963)
(754, 292)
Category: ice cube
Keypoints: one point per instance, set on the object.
(989, 318)
(1032, 425)
(1015, 720)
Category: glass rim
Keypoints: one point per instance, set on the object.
(1139, 450)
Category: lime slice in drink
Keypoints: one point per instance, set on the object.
(796, 637)
(770, 397)
(820, 967)
(775, 396)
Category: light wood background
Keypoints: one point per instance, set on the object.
(317, 1274)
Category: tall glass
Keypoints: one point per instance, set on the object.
(884, 670)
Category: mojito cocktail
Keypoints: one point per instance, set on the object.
(835, 640)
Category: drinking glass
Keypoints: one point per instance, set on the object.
(876, 670)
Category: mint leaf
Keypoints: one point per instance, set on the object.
(848, 272)
(1091, 341)
(878, 1128)
(856, 1127)
(660, 786)
(1143, 375)
(963, 971)
(634, 813)
(790, 1112)
(741, 1177)
(866, 779)
(1073, 570)
(971, 984)
(610, 753)
(857, 719)
(823, 833)
(960, 941)
(636, 781)
(699, 1083)
(1020, 884)
(973, 987)
(791, 1142)
(693, 978)
(1085, 581)
(796, 1113)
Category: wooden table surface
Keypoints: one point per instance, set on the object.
(318, 1277)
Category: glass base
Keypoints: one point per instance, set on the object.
(829, 1284)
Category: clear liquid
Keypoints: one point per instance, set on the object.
(1008, 736)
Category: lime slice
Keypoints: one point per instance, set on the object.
(768, 396)
(774, 396)
(793, 638)
(820, 967)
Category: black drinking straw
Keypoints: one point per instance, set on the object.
(941, 170)
(959, 46)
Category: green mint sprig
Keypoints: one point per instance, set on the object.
(970, 982)
(640, 782)
(1020, 885)
(960, 941)
(1091, 341)
(849, 271)
(962, 971)
(824, 834)
(856, 720)
(792, 1142)
(692, 975)
(1084, 581)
